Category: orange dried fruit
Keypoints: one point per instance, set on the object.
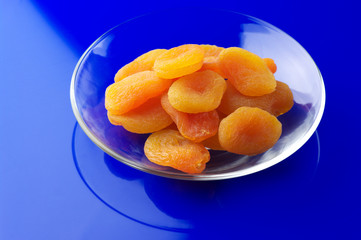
(270, 64)
(210, 61)
(142, 63)
(213, 143)
(147, 118)
(197, 92)
(278, 102)
(194, 126)
(211, 50)
(170, 148)
(247, 72)
(179, 61)
(249, 131)
(133, 91)
(173, 126)
(282, 99)
(179, 95)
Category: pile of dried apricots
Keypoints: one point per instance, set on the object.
(192, 98)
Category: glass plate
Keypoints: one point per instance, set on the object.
(166, 29)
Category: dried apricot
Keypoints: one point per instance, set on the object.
(211, 50)
(170, 148)
(133, 91)
(210, 61)
(270, 64)
(182, 97)
(249, 131)
(278, 102)
(147, 118)
(179, 61)
(247, 72)
(282, 99)
(173, 126)
(194, 126)
(142, 63)
(197, 92)
(213, 143)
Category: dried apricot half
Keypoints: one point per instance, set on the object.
(213, 143)
(194, 126)
(278, 102)
(142, 63)
(179, 61)
(170, 148)
(147, 118)
(197, 92)
(210, 62)
(249, 131)
(133, 91)
(270, 64)
(211, 50)
(247, 72)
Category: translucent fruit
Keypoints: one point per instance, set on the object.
(246, 71)
(213, 142)
(270, 64)
(210, 62)
(249, 131)
(170, 148)
(193, 97)
(211, 50)
(133, 91)
(179, 61)
(142, 63)
(194, 126)
(278, 102)
(147, 118)
(197, 92)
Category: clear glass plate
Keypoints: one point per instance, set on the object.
(166, 29)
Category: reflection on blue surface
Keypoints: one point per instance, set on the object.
(188, 206)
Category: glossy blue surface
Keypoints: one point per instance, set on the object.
(315, 194)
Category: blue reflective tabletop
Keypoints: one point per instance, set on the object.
(55, 183)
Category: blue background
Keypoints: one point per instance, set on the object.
(315, 194)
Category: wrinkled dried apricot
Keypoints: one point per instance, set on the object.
(213, 143)
(179, 61)
(270, 64)
(170, 148)
(197, 92)
(282, 99)
(194, 126)
(173, 126)
(247, 72)
(210, 61)
(249, 131)
(194, 97)
(133, 91)
(147, 118)
(278, 102)
(142, 63)
(211, 50)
